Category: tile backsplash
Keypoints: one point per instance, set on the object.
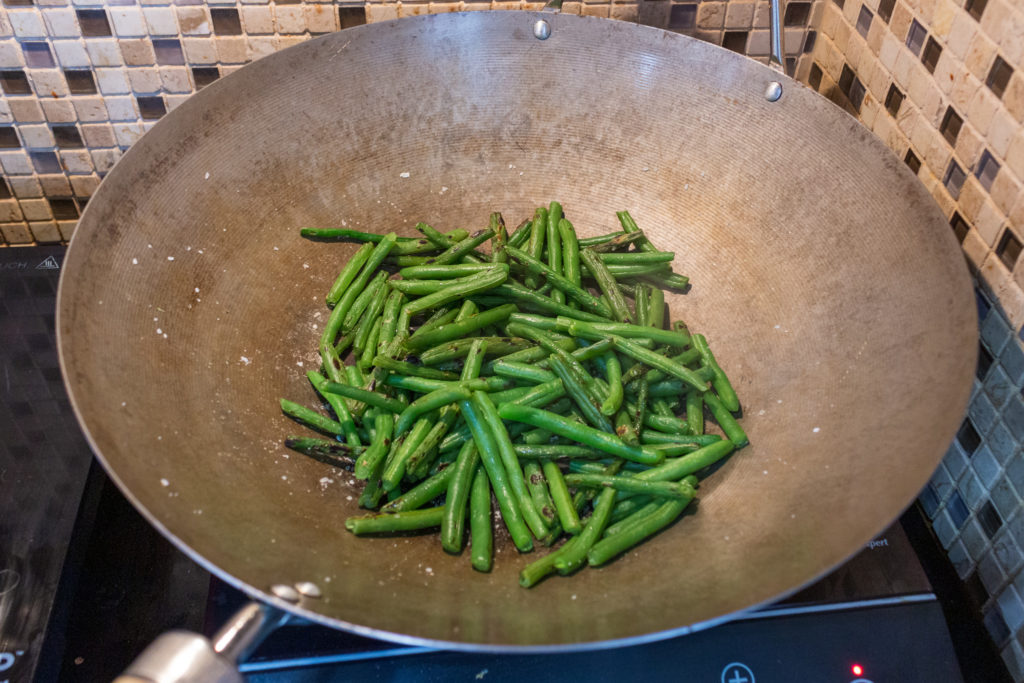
(941, 82)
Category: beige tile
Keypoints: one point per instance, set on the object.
(45, 232)
(1005, 191)
(375, 13)
(61, 23)
(257, 19)
(876, 36)
(1001, 132)
(982, 109)
(25, 186)
(58, 111)
(112, 81)
(995, 17)
(878, 80)
(160, 21)
(283, 41)
(98, 135)
(290, 18)
(842, 38)
(77, 161)
(590, 10)
(137, 52)
(739, 15)
(624, 12)
(321, 18)
(989, 221)
(36, 209)
(980, 55)
(527, 6)
(711, 15)
(1013, 98)
(16, 233)
(994, 273)
(900, 22)
(26, 23)
(854, 46)
(26, 111)
(175, 79)
(37, 136)
(759, 43)
(48, 82)
(104, 159)
(946, 71)
(1011, 298)
(829, 19)
(199, 50)
(127, 21)
(70, 53)
(1017, 212)
(5, 111)
(972, 198)
(121, 108)
(10, 54)
(175, 100)
(936, 153)
(67, 228)
(195, 21)
(128, 133)
(232, 49)
(889, 52)
(964, 88)
(942, 19)
(762, 15)
(144, 80)
(261, 46)
(104, 52)
(946, 203)
(1015, 156)
(84, 185)
(969, 144)
(906, 65)
(10, 211)
(5, 27)
(869, 110)
(90, 109)
(1010, 42)
(575, 8)
(850, 12)
(55, 185)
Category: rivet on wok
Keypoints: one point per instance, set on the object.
(541, 29)
(773, 92)
(309, 589)
(285, 592)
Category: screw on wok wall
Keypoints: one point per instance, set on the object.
(773, 92)
(285, 592)
(542, 30)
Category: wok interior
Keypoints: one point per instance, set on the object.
(822, 274)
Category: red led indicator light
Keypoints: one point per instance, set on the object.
(857, 669)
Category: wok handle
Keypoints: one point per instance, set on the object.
(777, 47)
(184, 657)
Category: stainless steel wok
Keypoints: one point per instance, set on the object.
(823, 273)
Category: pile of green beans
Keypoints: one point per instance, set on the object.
(541, 376)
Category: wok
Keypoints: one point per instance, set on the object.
(823, 273)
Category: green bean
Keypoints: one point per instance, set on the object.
(695, 412)
(665, 388)
(422, 288)
(668, 424)
(639, 411)
(457, 251)
(449, 272)
(496, 346)
(453, 523)
(570, 254)
(442, 316)
(383, 425)
(515, 291)
(507, 500)
(675, 469)
(390, 522)
(322, 448)
(499, 240)
(542, 451)
(372, 492)
(629, 225)
(521, 234)
(624, 428)
(539, 321)
(620, 241)
(428, 402)
(422, 385)
(658, 489)
(621, 271)
(436, 238)
(660, 406)
(535, 247)
(522, 371)
(404, 261)
(623, 509)
(665, 365)
(311, 418)
(548, 341)
(721, 383)
(359, 236)
(539, 395)
(575, 292)
(405, 368)
(579, 394)
(337, 403)
(613, 374)
(443, 333)
(642, 305)
(348, 297)
(389, 319)
(577, 432)
(362, 302)
(538, 488)
(465, 287)
(667, 280)
(532, 573)
(562, 501)
(398, 459)
(348, 273)
(480, 530)
(606, 282)
(645, 526)
(635, 257)
(597, 331)
(600, 239)
(651, 436)
(485, 408)
(364, 396)
(421, 494)
(554, 245)
(725, 420)
(574, 558)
